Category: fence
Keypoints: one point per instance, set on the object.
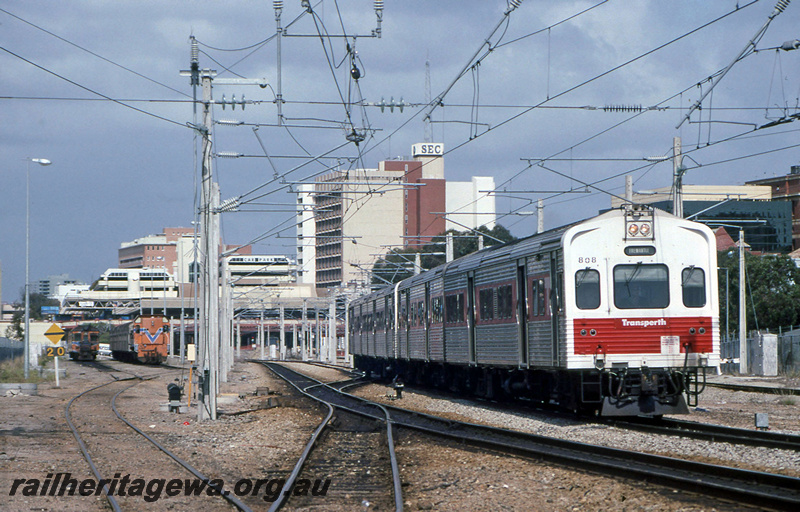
(788, 352)
(10, 349)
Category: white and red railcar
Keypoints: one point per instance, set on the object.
(617, 314)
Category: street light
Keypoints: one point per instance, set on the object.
(40, 161)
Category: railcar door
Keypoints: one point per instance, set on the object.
(407, 329)
(522, 313)
(471, 316)
(556, 291)
(427, 321)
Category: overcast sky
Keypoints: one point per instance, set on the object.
(95, 87)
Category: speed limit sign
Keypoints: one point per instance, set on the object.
(55, 351)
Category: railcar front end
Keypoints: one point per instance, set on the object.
(641, 310)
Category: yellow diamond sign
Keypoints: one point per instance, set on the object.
(54, 334)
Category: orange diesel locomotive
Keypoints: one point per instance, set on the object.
(145, 340)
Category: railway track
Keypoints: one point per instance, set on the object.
(710, 432)
(764, 490)
(102, 434)
(347, 445)
(681, 428)
(755, 389)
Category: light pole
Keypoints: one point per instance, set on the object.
(40, 161)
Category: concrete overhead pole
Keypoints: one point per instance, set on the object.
(303, 332)
(743, 367)
(261, 330)
(283, 333)
(332, 331)
(677, 178)
(539, 216)
(208, 256)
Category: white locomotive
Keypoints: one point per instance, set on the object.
(616, 315)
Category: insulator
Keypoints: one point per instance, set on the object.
(516, 3)
(781, 5)
(622, 108)
(277, 4)
(790, 45)
(378, 5)
(195, 50)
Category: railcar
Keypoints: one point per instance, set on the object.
(83, 343)
(616, 315)
(144, 340)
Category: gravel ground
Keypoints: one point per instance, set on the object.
(248, 442)
(733, 408)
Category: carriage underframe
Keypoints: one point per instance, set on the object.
(606, 392)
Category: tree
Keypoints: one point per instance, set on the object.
(399, 264)
(772, 291)
(36, 300)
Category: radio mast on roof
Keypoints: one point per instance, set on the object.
(427, 119)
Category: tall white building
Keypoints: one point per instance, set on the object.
(469, 205)
(306, 241)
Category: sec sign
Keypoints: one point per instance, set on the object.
(427, 149)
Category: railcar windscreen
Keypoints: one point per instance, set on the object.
(641, 286)
(587, 289)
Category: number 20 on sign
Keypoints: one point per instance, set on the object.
(55, 351)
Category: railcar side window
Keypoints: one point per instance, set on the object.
(454, 308)
(538, 293)
(587, 289)
(504, 301)
(641, 286)
(693, 284)
(437, 314)
(486, 298)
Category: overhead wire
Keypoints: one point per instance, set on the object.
(597, 77)
(90, 90)
(95, 54)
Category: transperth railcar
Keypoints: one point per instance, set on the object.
(616, 315)
(144, 340)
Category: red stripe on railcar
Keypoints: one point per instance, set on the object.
(642, 335)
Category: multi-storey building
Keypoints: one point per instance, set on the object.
(786, 188)
(47, 287)
(173, 251)
(306, 239)
(359, 215)
(470, 204)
